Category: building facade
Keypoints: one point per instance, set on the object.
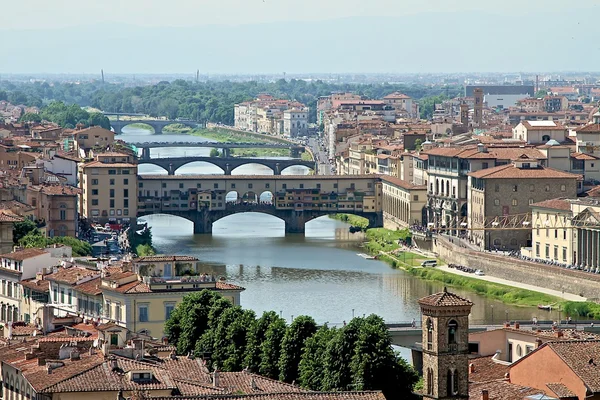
(403, 203)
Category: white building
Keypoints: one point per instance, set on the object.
(14, 267)
(63, 165)
(295, 122)
(539, 132)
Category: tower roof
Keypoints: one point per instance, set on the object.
(444, 299)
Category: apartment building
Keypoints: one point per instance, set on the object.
(55, 206)
(539, 132)
(401, 102)
(108, 192)
(93, 137)
(403, 203)
(510, 190)
(295, 122)
(267, 115)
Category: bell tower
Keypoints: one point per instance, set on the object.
(445, 318)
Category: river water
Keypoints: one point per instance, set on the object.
(317, 274)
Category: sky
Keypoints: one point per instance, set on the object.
(178, 13)
(298, 36)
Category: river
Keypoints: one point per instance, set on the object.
(317, 274)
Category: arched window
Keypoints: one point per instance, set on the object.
(545, 138)
(452, 331)
(429, 334)
(447, 188)
(497, 242)
(429, 381)
(452, 383)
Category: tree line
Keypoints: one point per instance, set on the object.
(357, 356)
(211, 101)
(67, 116)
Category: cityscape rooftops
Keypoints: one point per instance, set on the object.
(553, 204)
(511, 171)
(24, 254)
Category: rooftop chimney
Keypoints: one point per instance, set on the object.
(485, 395)
(74, 355)
(216, 378)
(471, 368)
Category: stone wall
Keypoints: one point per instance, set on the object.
(551, 277)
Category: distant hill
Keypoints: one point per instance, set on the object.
(432, 42)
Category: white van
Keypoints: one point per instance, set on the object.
(429, 263)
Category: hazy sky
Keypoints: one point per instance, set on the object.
(63, 13)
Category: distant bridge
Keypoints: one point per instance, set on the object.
(156, 124)
(227, 164)
(295, 150)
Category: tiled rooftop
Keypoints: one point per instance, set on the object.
(555, 204)
(485, 369)
(510, 171)
(24, 254)
(161, 258)
(583, 358)
(444, 299)
(501, 390)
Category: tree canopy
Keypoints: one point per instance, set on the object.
(358, 356)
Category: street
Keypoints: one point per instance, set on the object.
(321, 156)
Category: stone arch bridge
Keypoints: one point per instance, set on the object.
(296, 199)
(227, 164)
(156, 124)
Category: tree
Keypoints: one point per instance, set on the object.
(144, 250)
(292, 347)
(271, 349)
(541, 93)
(205, 346)
(215, 153)
(98, 119)
(338, 356)
(30, 117)
(189, 320)
(311, 368)
(20, 229)
(375, 365)
(256, 336)
(418, 144)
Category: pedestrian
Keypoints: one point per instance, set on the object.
(413, 323)
(344, 323)
(535, 320)
(592, 325)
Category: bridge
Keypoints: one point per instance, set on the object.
(227, 164)
(295, 199)
(226, 147)
(156, 124)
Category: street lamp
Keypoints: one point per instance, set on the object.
(280, 313)
(492, 314)
(506, 311)
(353, 313)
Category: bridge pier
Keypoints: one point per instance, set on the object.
(226, 152)
(375, 220)
(171, 170)
(295, 222)
(145, 153)
(227, 169)
(157, 129)
(117, 128)
(202, 223)
(277, 169)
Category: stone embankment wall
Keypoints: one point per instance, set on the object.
(551, 277)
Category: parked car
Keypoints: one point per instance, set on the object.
(429, 263)
(479, 272)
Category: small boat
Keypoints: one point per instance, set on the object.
(365, 256)
(547, 307)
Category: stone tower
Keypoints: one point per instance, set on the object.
(478, 109)
(445, 318)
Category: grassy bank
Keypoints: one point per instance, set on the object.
(141, 126)
(385, 240)
(355, 221)
(222, 135)
(306, 156)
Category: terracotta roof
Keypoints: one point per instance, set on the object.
(14, 204)
(100, 164)
(241, 382)
(91, 287)
(102, 377)
(510, 171)
(561, 390)
(67, 339)
(501, 390)
(161, 258)
(71, 275)
(583, 156)
(402, 183)
(365, 395)
(39, 285)
(583, 357)
(546, 126)
(554, 204)
(7, 216)
(23, 254)
(485, 369)
(227, 286)
(591, 128)
(192, 388)
(56, 190)
(444, 299)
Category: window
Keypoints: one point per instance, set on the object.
(168, 270)
(233, 185)
(62, 296)
(284, 186)
(112, 182)
(532, 188)
(335, 185)
(164, 185)
(319, 185)
(112, 193)
(199, 185)
(564, 234)
(125, 171)
(112, 203)
(519, 350)
(94, 202)
(112, 171)
(496, 187)
(125, 203)
(107, 309)
(515, 202)
(452, 384)
(515, 187)
(169, 307)
(563, 188)
(496, 202)
(452, 331)
(143, 312)
(94, 181)
(484, 165)
(530, 201)
(416, 197)
(556, 234)
(125, 193)
(429, 334)
(429, 381)
(216, 185)
(141, 376)
(537, 249)
(547, 251)
(141, 184)
(564, 254)
(114, 339)
(547, 188)
(267, 185)
(94, 192)
(181, 186)
(118, 311)
(126, 182)
(555, 252)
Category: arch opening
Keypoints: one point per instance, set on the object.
(232, 197)
(136, 127)
(266, 198)
(151, 169)
(249, 198)
(296, 169)
(167, 226)
(252, 169)
(199, 168)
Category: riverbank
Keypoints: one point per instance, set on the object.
(385, 244)
(223, 135)
(356, 222)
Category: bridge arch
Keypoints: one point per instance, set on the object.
(250, 197)
(288, 168)
(148, 168)
(211, 168)
(244, 169)
(232, 197)
(144, 125)
(266, 197)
